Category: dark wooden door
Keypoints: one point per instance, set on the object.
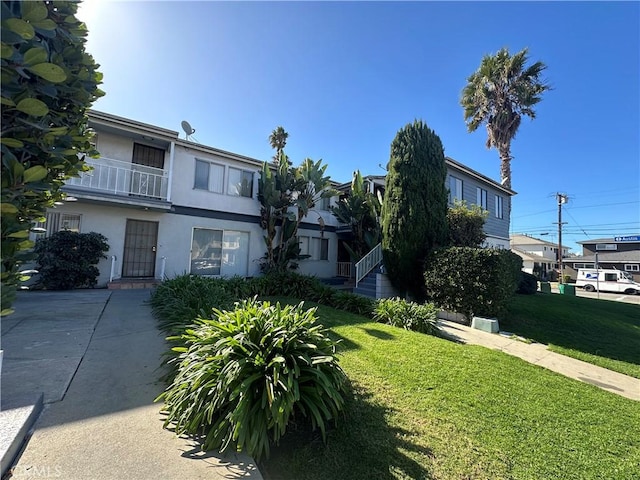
(140, 240)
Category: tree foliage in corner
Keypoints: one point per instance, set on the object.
(466, 225)
(414, 211)
(498, 94)
(48, 82)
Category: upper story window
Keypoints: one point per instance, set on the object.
(209, 176)
(481, 197)
(606, 246)
(324, 203)
(499, 211)
(316, 248)
(240, 183)
(455, 189)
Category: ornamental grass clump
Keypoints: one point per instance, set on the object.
(244, 373)
(398, 312)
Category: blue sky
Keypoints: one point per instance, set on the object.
(343, 78)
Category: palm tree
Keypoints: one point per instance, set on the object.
(278, 140)
(498, 94)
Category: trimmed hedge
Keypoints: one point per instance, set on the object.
(472, 281)
(528, 284)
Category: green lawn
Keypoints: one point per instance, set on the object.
(423, 407)
(601, 332)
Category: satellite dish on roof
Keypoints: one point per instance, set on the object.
(188, 129)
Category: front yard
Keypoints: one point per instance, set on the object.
(423, 407)
(601, 332)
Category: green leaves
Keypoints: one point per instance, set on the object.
(243, 373)
(49, 71)
(33, 107)
(48, 83)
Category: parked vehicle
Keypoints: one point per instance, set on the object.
(607, 280)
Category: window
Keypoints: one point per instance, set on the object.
(610, 277)
(576, 266)
(606, 246)
(632, 267)
(481, 197)
(209, 176)
(303, 242)
(324, 203)
(217, 252)
(499, 212)
(455, 189)
(320, 248)
(240, 183)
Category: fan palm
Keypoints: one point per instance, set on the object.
(498, 94)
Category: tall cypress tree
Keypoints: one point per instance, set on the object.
(414, 212)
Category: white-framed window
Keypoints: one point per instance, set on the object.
(576, 266)
(606, 246)
(316, 248)
(499, 204)
(632, 267)
(240, 183)
(455, 189)
(481, 197)
(209, 176)
(219, 252)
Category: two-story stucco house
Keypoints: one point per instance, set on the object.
(170, 206)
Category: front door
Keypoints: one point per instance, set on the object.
(140, 241)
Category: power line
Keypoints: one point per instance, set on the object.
(606, 205)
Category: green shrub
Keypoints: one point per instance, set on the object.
(528, 284)
(350, 302)
(244, 373)
(67, 259)
(177, 302)
(472, 281)
(408, 315)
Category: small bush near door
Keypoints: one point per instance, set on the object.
(68, 259)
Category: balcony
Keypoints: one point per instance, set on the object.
(129, 182)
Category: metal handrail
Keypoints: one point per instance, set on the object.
(123, 178)
(345, 269)
(370, 261)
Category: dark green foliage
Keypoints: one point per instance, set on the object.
(67, 259)
(466, 225)
(415, 206)
(48, 83)
(528, 284)
(350, 302)
(177, 302)
(398, 312)
(472, 281)
(244, 374)
(361, 211)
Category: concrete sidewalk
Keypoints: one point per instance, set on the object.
(107, 425)
(539, 354)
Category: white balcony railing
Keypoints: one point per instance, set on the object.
(123, 178)
(345, 269)
(370, 261)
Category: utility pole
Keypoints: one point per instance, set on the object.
(562, 198)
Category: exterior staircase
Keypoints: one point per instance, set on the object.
(367, 286)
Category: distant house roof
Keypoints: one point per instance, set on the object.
(607, 257)
(530, 257)
(520, 239)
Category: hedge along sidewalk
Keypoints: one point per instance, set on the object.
(538, 354)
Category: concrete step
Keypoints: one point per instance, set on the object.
(132, 283)
(17, 417)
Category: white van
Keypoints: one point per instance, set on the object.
(607, 281)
